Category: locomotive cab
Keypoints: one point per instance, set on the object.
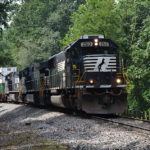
(94, 63)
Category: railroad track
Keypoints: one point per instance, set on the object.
(111, 119)
(125, 121)
(136, 119)
(122, 120)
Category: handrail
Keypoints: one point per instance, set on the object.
(80, 78)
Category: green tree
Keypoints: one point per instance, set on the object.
(37, 29)
(139, 69)
(7, 8)
(3, 14)
(5, 54)
(135, 31)
(93, 17)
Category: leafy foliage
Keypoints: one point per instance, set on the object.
(37, 29)
(93, 17)
(7, 8)
(4, 7)
(135, 23)
(5, 54)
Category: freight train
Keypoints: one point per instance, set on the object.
(87, 75)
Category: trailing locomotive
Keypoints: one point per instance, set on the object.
(3, 72)
(86, 76)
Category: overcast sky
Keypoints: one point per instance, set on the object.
(17, 1)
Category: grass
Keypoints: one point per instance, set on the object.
(28, 140)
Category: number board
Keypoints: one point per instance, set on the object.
(104, 44)
(86, 44)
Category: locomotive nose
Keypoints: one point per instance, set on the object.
(103, 79)
(96, 79)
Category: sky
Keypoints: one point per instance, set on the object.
(17, 1)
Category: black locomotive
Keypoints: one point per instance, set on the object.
(86, 76)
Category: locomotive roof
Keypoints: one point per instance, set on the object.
(77, 43)
(12, 73)
(44, 64)
(56, 55)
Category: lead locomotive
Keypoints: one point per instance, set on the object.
(86, 76)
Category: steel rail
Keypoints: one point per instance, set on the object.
(132, 118)
(121, 123)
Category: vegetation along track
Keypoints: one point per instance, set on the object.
(125, 121)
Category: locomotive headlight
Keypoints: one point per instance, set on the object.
(118, 80)
(91, 81)
(95, 42)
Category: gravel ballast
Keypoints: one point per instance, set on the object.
(24, 127)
